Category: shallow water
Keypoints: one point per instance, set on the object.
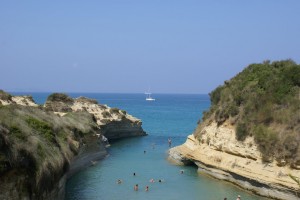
(172, 116)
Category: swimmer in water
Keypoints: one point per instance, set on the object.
(151, 180)
(119, 181)
(136, 187)
(170, 142)
(147, 188)
(153, 145)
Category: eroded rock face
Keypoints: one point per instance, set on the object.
(121, 129)
(222, 138)
(216, 152)
(113, 122)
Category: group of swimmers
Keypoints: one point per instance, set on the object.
(136, 186)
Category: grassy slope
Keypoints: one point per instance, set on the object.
(39, 144)
(263, 101)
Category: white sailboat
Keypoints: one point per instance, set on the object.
(148, 97)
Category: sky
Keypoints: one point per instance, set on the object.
(131, 46)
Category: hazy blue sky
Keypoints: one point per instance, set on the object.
(127, 46)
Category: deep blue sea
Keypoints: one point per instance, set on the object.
(171, 115)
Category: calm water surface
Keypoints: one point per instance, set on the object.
(172, 116)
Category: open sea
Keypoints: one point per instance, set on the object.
(171, 115)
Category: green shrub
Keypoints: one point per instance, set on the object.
(87, 100)
(241, 131)
(16, 132)
(5, 96)
(266, 140)
(124, 112)
(60, 97)
(232, 110)
(114, 110)
(41, 151)
(106, 114)
(221, 116)
(215, 96)
(41, 127)
(290, 146)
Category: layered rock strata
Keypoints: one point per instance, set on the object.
(219, 154)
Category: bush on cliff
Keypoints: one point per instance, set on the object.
(264, 100)
(59, 102)
(5, 96)
(114, 111)
(60, 97)
(86, 100)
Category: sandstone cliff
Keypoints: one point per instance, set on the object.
(220, 155)
(7, 99)
(250, 134)
(41, 146)
(113, 122)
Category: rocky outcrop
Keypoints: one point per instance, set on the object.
(217, 152)
(24, 101)
(7, 99)
(113, 122)
(58, 102)
(117, 129)
(41, 146)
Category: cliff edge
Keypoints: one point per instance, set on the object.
(250, 136)
(113, 122)
(42, 145)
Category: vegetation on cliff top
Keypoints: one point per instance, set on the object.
(38, 145)
(60, 97)
(263, 101)
(87, 100)
(59, 102)
(5, 96)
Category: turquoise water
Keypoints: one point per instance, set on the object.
(172, 116)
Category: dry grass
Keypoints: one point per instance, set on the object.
(37, 142)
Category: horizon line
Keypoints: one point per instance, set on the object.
(103, 92)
